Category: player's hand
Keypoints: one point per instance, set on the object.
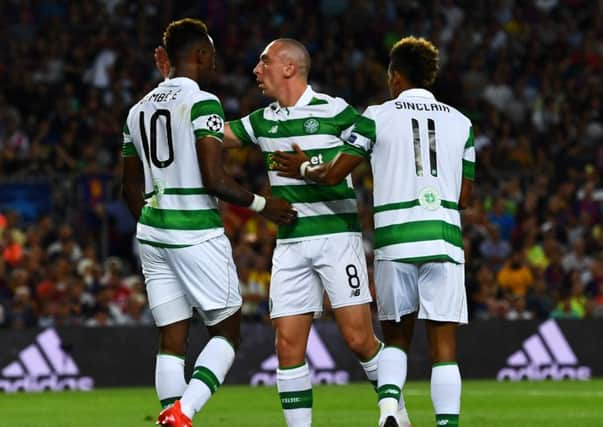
(279, 211)
(288, 163)
(162, 62)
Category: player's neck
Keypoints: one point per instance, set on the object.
(401, 88)
(184, 72)
(291, 93)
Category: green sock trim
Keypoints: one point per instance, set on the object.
(389, 390)
(225, 339)
(165, 353)
(207, 377)
(379, 348)
(167, 402)
(395, 346)
(435, 365)
(296, 399)
(448, 420)
(284, 368)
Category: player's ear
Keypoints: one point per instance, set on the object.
(289, 69)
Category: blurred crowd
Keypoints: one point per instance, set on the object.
(528, 74)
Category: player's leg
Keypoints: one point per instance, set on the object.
(295, 295)
(171, 312)
(444, 306)
(397, 337)
(208, 275)
(355, 324)
(341, 265)
(293, 374)
(397, 303)
(214, 361)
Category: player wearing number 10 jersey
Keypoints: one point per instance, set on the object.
(423, 161)
(173, 154)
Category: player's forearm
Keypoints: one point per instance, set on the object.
(230, 140)
(132, 194)
(321, 174)
(333, 172)
(227, 189)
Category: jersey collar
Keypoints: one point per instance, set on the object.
(301, 102)
(417, 93)
(180, 81)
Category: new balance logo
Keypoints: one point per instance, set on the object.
(44, 365)
(322, 365)
(442, 423)
(273, 129)
(545, 355)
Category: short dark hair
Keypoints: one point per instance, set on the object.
(415, 58)
(180, 35)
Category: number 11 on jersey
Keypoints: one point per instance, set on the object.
(416, 133)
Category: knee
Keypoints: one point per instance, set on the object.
(362, 344)
(290, 351)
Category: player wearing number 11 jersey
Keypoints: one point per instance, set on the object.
(423, 161)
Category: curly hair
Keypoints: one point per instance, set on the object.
(415, 58)
(179, 35)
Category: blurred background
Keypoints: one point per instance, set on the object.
(527, 73)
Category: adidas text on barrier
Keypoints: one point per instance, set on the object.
(544, 355)
(44, 365)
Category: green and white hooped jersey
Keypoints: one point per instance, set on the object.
(420, 150)
(162, 129)
(317, 123)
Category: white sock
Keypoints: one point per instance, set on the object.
(210, 369)
(391, 379)
(446, 388)
(371, 365)
(169, 378)
(295, 392)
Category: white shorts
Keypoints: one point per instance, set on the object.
(435, 289)
(302, 271)
(203, 276)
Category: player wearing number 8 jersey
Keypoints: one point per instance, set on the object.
(423, 161)
(322, 251)
(172, 154)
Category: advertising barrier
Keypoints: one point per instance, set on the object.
(78, 358)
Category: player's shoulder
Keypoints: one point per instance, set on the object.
(461, 117)
(335, 103)
(199, 95)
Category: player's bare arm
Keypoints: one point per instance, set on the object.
(132, 185)
(466, 193)
(293, 165)
(218, 183)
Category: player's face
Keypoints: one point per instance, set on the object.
(269, 71)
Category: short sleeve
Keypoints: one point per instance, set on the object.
(243, 129)
(127, 147)
(362, 136)
(344, 118)
(469, 157)
(207, 117)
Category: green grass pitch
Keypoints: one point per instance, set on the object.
(485, 403)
